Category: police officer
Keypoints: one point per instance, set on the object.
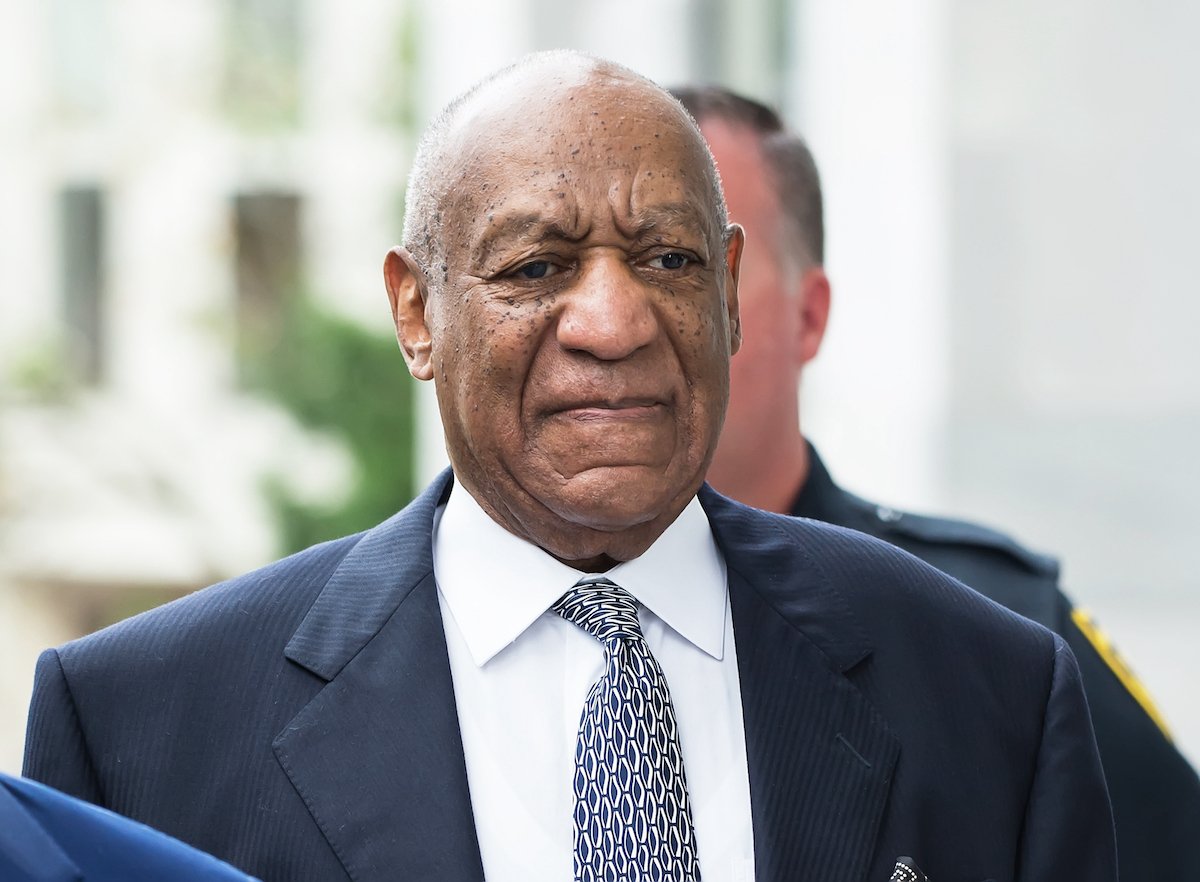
(773, 191)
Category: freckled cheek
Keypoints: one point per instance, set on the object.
(703, 354)
(693, 325)
(494, 361)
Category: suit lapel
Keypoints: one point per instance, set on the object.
(378, 758)
(377, 755)
(820, 757)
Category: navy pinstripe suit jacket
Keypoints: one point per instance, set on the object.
(299, 721)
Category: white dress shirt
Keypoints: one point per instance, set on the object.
(522, 673)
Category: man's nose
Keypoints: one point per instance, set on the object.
(608, 312)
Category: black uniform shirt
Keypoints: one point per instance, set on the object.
(1155, 793)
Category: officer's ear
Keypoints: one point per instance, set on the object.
(813, 301)
(407, 293)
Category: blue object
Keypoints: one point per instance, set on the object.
(47, 836)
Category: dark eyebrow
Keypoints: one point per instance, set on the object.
(674, 214)
(518, 228)
(530, 226)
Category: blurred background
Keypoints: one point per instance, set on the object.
(197, 368)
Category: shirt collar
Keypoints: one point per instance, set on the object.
(496, 584)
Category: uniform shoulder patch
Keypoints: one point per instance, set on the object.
(1103, 645)
(950, 531)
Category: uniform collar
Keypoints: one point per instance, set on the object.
(818, 496)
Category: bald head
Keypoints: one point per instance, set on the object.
(545, 99)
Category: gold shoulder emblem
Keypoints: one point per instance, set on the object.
(1104, 648)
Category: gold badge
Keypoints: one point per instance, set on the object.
(1103, 645)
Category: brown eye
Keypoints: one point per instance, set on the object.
(536, 269)
(672, 260)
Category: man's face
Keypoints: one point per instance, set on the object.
(764, 375)
(581, 335)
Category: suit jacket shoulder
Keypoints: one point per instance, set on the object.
(276, 597)
(987, 560)
(982, 709)
(168, 717)
(297, 721)
(177, 717)
(894, 593)
(1155, 792)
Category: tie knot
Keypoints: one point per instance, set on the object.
(602, 608)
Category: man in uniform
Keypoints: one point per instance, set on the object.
(772, 189)
(568, 658)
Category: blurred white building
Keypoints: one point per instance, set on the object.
(169, 171)
(1010, 190)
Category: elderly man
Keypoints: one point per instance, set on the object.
(567, 658)
(773, 191)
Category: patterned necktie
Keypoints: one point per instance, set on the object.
(632, 818)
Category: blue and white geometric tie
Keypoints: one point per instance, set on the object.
(632, 818)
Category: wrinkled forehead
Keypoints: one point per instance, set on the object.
(586, 135)
(563, 97)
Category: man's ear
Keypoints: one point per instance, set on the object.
(407, 293)
(733, 264)
(813, 302)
